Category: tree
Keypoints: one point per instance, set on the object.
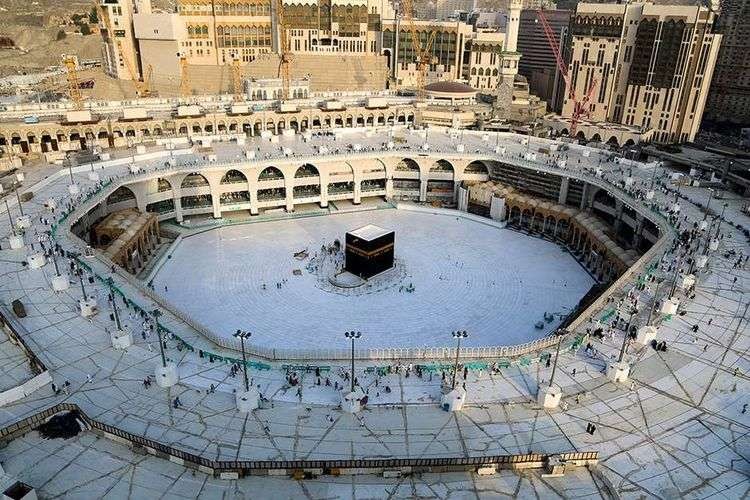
(85, 30)
(60, 35)
(93, 16)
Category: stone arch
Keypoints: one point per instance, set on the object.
(629, 142)
(603, 197)
(270, 173)
(380, 167)
(514, 215)
(596, 138)
(233, 176)
(549, 223)
(564, 132)
(407, 165)
(613, 141)
(163, 185)
(193, 180)
(306, 170)
(442, 166)
(477, 167)
(122, 193)
(581, 136)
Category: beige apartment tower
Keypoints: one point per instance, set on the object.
(652, 63)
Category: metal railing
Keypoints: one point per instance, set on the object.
(325, 466)
(432, 353)
(7, 324)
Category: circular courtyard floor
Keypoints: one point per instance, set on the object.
(494, 283)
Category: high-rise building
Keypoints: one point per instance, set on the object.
(729, 98)
(538, 62)
(199, 35)
(651, 65)
(447, 49)
(120, 50)
(217, 32)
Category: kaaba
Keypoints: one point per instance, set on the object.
(369, 251)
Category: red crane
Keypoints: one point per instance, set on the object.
(580, 107)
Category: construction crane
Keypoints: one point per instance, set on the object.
(581, 107)
(236, 70)
(422, 53)
(70, 64)
(142, 85)
(285, 56)
(184, 77)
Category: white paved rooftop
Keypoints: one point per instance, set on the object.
(678, 432)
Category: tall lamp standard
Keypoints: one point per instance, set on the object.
(155, 315)
(627, 335)
(111, 283)
(17, 187)
(10, 218)
(352, 335)
(721, 217)
(79, 272)
(708, 204)
(458, 335)
(242, 335)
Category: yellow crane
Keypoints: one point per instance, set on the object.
(142, 85)
(285, 56)
(71, 71)
(422, 53)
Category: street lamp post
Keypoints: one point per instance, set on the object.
(18, 197)
(676, 274)
(458, 335)
(10, 218)
(54, 261)
(557, 355)
(111, 284)
(79, 272)
(653, 176)
(242, 335)
(708, 204)
(155, 315)
(721, 217)
(352, 335)
(653, 303)
(627, 335)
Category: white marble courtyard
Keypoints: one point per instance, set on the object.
(679, 431)
(467, 275)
